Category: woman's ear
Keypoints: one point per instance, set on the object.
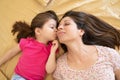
(37, 30)
(81, 32)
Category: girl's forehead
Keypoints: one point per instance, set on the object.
(51, 21)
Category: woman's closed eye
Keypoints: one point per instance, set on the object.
(66, 24)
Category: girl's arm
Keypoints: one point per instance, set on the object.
(117, 74)
(51, 63)
(8, 55)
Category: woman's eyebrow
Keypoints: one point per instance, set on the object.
(67, 20)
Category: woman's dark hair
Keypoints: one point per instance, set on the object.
(97, 32)
(24, 30)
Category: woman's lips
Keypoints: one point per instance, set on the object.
(60, 33)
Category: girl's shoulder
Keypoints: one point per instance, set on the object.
(27, 39)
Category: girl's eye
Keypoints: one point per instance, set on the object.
(52, 27)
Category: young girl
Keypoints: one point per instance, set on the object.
(38, 45)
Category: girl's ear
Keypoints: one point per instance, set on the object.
(37, 30)
(81, 32)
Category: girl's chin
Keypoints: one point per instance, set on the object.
(53, 39)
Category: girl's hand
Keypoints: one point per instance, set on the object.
(51, 62)
(54, 46)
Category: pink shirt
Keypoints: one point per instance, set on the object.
(108, 61)
(32, 62)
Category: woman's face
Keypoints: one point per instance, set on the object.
(67, 30)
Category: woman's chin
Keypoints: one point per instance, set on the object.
(61, 40)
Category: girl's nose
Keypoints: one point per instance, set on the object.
(55, 29)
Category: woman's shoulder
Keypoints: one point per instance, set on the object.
(112, 55)
(107, 51)
(104, 48)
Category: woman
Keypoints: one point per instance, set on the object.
(89, 48)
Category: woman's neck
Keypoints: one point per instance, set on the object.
(77, 50)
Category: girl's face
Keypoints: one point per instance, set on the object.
(67, 30)
(48, 31)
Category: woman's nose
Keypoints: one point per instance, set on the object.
(60, 27)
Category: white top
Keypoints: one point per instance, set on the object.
(108, 61)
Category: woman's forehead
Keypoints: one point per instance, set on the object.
(66, 19)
